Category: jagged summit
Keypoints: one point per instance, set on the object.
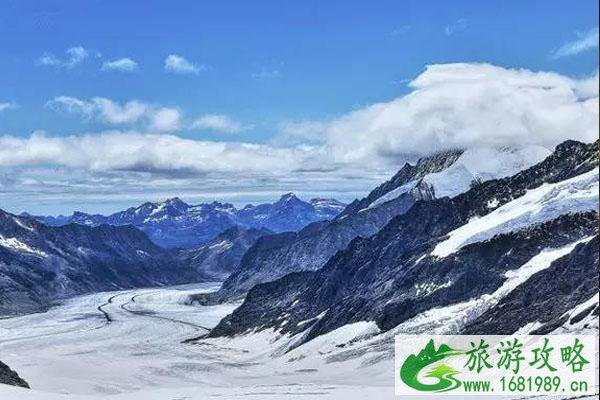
(175, 202)
(424, 165)
(288, 197)
(175, 223)
(452, 172)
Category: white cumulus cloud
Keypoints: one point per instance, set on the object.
(457, 26)
(178, 64)
(122, 64)
(465, 105)
(9, 105)
(266, 74)
(73, 57)
(101, 109)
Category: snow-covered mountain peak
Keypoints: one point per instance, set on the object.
(175, 202)
(404, 180)
(174, 206)
(82, 218)
(450, 173)
(222, 207)
(492, 163)
(482, 164)
(288, 197)
(321, 203)
(175, 223)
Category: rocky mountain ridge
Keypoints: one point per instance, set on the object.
(175, 223)
(41, 263)
(309, 249)
(546, 219)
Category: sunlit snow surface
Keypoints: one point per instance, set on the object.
(73, 353)
(450, 319)
(483, 163)
(538, 205)
(18, 246)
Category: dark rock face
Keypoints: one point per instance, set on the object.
(546, 296)
(274, 256)
(309, 249)
(174, 223)
(10, 377)
(390, 286)
(382, 277)
(222, 255)
(39, 263)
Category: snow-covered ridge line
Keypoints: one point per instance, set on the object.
(176, 224)
(23, 224)
(542, 204)
(482, 163)
(394, 194)
(450, 319)
(586, 326)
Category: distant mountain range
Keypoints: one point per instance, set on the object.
(47, 258)
(40, 263)
(439, 175)
(174, 223)
(514, 253)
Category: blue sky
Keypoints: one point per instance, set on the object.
(250, 72)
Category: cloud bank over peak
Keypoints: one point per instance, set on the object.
(449, 106)
(465, 105)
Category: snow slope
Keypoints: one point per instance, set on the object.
(538, 205)
(15, 244)
(483, 163)
(73, 353)
(450, 319)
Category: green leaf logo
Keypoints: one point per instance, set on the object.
(409, 372)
